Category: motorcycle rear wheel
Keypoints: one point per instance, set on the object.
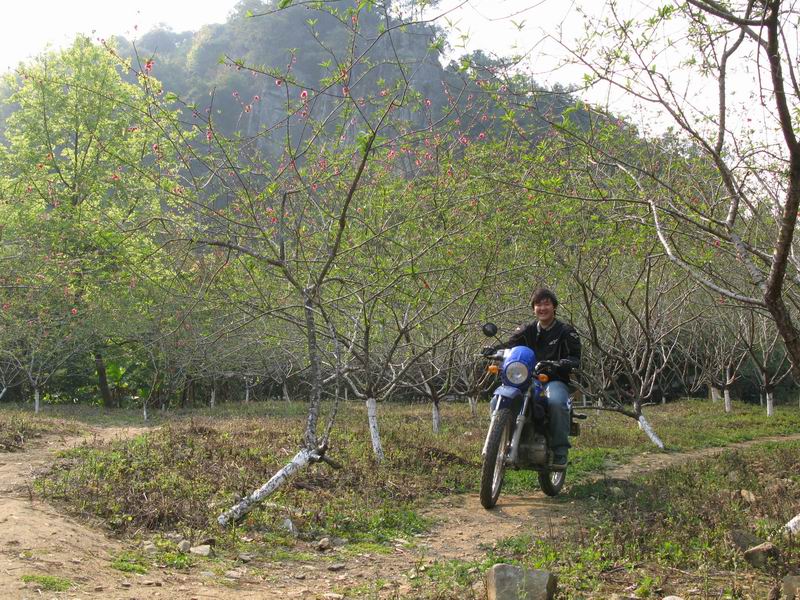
(551, 482)
(494, 463)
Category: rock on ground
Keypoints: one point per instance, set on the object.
(507, 582)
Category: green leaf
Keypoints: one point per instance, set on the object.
(284, 3)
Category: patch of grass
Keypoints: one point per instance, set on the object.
(677, 520)
(18, 427)
(193, 468)
(48, 583)
(128, 562)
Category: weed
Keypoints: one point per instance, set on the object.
(128, 562)
(48, 583)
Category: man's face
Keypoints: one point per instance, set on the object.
(545, 312)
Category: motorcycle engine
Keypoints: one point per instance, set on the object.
(533, 447)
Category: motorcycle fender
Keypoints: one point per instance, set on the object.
(504, 397)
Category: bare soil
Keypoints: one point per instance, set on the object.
(38, 539)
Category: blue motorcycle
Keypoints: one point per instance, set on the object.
(517, 434)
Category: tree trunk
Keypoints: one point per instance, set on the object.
(715, 394)
(770, 403)
(246, 392)
(144, 409)
(3, 393)
(372, 417)
(36, 400)
(213, 401)
(645, 426)
(286, 391)
(437, 417)
(102, 380)
(300, 460)
(728, 404)
(473, 405)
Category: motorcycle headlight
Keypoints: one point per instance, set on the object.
(517, 372)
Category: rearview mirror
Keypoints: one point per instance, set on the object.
(489, 329)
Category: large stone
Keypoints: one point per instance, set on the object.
(791, 587)
(507, 582)
(744, 540)
(758, 556)
(184, 546)
(672, 598)
(203, 550)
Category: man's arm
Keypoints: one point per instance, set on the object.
(520, 337)
(571, 352)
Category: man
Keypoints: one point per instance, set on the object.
(557, 345)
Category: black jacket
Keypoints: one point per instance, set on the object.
(559, 343)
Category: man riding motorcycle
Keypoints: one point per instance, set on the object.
(558, 350)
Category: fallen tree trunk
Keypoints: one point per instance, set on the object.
(299, 461)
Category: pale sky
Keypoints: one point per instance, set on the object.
(26, 29)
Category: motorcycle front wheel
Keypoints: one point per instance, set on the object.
(551, 482)
(494, 463)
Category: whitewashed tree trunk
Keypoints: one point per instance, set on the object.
(715, 394)
(300, 460)
(285, 392)
(144, 410)
(793, 526)
(437, 417)
(3, 393)
(213, 400)
(246, 391)
(473, 405)
(372, 417)
(36, 399)
(761, 398)
(645, 426)
(728, 402)
(770, 404)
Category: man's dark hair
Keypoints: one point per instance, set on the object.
(541, 294)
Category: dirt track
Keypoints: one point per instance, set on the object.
(36, 538)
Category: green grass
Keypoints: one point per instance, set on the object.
(48, 583)
(676, 520)
(19, 427)
(194, 466)
(129, 562)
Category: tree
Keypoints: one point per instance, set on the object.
(748, 211)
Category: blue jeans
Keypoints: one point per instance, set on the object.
(558, 407)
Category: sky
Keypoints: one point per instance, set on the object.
(25, 32)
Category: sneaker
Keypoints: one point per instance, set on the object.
(559, 463)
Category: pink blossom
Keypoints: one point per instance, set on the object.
(248, 108)
(481, 135)
(74, 311)
(148, 65)
(278, 82)
(464, 140)
(6, 306)
(427, 101)
(209, 135)
(235, 94)
(155, 147)
(384, 92)
(346, 91)
(303, 95)
(256, 98)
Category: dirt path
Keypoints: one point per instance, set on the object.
(37, 539)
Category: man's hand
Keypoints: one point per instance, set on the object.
(546, 367)
(488, 351)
